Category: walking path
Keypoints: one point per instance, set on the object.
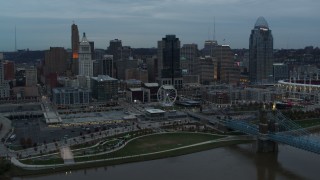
(37, 167)
(67, 155)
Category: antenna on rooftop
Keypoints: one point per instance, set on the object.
(15, 38)
(214, 28)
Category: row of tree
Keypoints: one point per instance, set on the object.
(26, 143)
(300, 115)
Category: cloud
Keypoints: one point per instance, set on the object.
(131, 20)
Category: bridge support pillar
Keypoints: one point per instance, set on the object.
(266, 146)
(266, 126)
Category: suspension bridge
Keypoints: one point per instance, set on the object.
(273, 127)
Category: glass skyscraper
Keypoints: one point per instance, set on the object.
(169, 71)
(261, 53)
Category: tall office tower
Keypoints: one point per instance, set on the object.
(85, 61)
(261, 53)
(122, 65)
(226, 70)
(106, 65)
(125, 52)
(189, 52)
(209, 46)
(92, 49)
(280, 72)
(75, 49)
(114, 49)
(169, 71)
(137, 73)
(31, 76)
(9, 70)
(4, 85)
(152, 66)
(104, 88)
(1, 69)
(55, 61)
(204, 68)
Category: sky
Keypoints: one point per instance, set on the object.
(41, 24)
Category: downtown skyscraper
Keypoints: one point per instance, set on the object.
(260, 53)
(75, 48)
(85, 61)
(4, 85)
(169, 71)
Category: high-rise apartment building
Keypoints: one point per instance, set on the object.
(31, 76)
(152, 66)
(114, 49)
(75, 48)
(55, 61)
(169, 71)
(92, 49)
(106, 65)
(9, 70)
(280, 72)
(4, 85)
(261, 53)
(104, 88)
(226, 70)
(189, 52)
(122, 65)
(209, 47)
(85, 61)
(125, 53)
(204, 68)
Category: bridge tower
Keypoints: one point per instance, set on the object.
(266, 126)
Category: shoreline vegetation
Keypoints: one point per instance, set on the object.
(143, 148)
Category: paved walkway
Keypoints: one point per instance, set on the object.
(36, 167)
(50, 147)
(67, 155)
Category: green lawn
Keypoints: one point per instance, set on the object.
(123, 135)
(46, 160)
(154, 143)
(16, 171)
(103, 145)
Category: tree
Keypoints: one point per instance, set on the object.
(23, 142)
(29, 142)
(5, 166)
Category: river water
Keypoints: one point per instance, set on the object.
(235, 163)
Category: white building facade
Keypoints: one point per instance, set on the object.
(85, 61)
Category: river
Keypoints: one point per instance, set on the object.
(235, 163)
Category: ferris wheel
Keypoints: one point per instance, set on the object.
(167, 95)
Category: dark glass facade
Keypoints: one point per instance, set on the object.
(261, 53)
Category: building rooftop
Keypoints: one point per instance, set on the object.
(133, 81)
(84, 40)
(155, 111)
(135, 89)
(278, 64)
(151, 84)
(168, 87)
(261, 23)
(69, 89)
(103, 78)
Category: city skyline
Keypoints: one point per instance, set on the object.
(41, 25)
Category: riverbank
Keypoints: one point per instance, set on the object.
(16, 171)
